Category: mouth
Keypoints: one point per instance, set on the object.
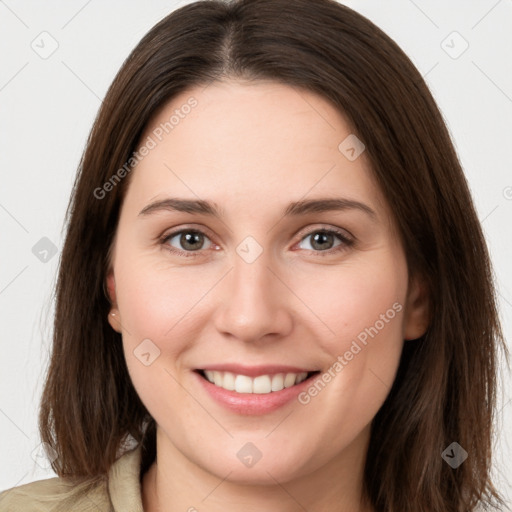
(254, 390)
(262, 384)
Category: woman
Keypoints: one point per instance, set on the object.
(274, 291)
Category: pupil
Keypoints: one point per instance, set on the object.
(321, 238)
(188, 240)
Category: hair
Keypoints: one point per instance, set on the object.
(446, 386)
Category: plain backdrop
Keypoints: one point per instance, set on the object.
(58, 59)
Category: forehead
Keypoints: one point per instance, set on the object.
(258, 141)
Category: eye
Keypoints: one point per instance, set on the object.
(324, 241)
(188, 241)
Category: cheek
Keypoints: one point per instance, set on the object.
(364, 307)
(153, 304)
(155, 300)
(357, 303)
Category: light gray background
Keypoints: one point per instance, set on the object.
(47, 109)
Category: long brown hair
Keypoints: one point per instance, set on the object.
(445, 389)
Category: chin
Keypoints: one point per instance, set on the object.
(273, 465)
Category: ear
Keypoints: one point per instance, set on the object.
(417, 309)
(114, 317)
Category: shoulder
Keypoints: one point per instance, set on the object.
(56, 494)
(119, 491)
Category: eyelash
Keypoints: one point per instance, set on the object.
(346, 242)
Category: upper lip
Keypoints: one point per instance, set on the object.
(255, 371)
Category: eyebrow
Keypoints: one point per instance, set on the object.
(294, 209)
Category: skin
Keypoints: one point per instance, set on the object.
(252, 148)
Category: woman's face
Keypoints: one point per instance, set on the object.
(253, 249)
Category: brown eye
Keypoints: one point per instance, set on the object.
(325, 240)
(186, 240)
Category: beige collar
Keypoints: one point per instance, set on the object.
(124, 485)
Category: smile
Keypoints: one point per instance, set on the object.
(253, 390)
(262, 384)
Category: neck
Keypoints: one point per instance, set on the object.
(174, 483)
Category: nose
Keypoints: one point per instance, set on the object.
(255, 304)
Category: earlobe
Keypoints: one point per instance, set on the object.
(417, 310)
(113, 320)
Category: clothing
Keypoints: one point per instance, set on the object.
(120, 491)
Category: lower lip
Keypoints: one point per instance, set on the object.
(253, 403)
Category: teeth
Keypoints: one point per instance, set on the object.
(278, 382)
(243, 384)
(289, 380)
(259, 385)
(262, 384)
(228, 382)
(218, 378)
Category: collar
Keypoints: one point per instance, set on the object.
(124, 485)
